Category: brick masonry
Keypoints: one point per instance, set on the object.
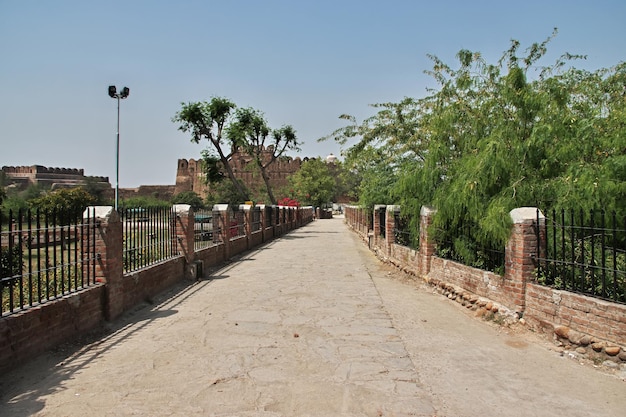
(515, 293)
(27, 333)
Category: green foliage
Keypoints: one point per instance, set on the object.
(211, 167)
(493, 137)
(144, 202)
(209, 120)
(189, 197)
(225, 193)
(252, 134)
(64, 201)
(17, 200)
(313, 184)
(10, 262)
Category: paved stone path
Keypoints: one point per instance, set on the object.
(311, 324)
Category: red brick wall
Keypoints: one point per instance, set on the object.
(28, 333)
(482, 283)
(144, 284)
(516, 291)
(547, 307)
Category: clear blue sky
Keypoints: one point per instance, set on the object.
(303, 63)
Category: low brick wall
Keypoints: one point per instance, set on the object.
(576, 320)
(548, 308)
(142, 285)
(482, 283)
(30, 332)
(34, 330)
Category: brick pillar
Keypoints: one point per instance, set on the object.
(184, 229)
(519, 252)
(390, 224)
(427, 245)
(223, 214)
(110, 253)
(378, 208)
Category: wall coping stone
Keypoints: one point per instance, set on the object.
(106, 213)
(182, 208)
(526, 214)
(426, 211)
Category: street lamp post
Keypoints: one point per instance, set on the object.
(114, 94)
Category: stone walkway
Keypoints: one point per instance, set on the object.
(311, 324)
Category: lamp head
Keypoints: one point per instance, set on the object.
(112, 91)
(125, 92)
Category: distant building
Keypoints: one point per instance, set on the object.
(190, 175)
(53, 178)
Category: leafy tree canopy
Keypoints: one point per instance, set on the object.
(230, 129)
(65, 201)
(313, 184)
(495, 136)
(209, 120)
(252, 133)
(189, 197)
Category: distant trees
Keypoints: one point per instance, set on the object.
(313, 184)
(189, 197)
(65, 201)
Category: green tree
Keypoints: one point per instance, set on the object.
(495, 136)
(251, 131)
(96, 189)
(65, 202)
(209, 120)
(313, 184)
(189, 197)
(224, 192)
(145, 202)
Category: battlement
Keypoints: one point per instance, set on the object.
(190, 175)
(38, 174)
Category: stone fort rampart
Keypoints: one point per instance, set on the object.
(190, 174)
(52, 177)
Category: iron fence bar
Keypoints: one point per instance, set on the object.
(39, 275)
(20, 256)
(93, 245)
(77, 220)
(10, 261)
(615, 290)
(603, 253)
(573, 254)
(592, 261)
(563, 246)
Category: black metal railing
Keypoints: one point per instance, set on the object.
(149, 236)
(583, 252)
(460, 243)
(255, 223)
(44, 256)
(382, 218)
(269, 216)
(402, 232)
(203, 229)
